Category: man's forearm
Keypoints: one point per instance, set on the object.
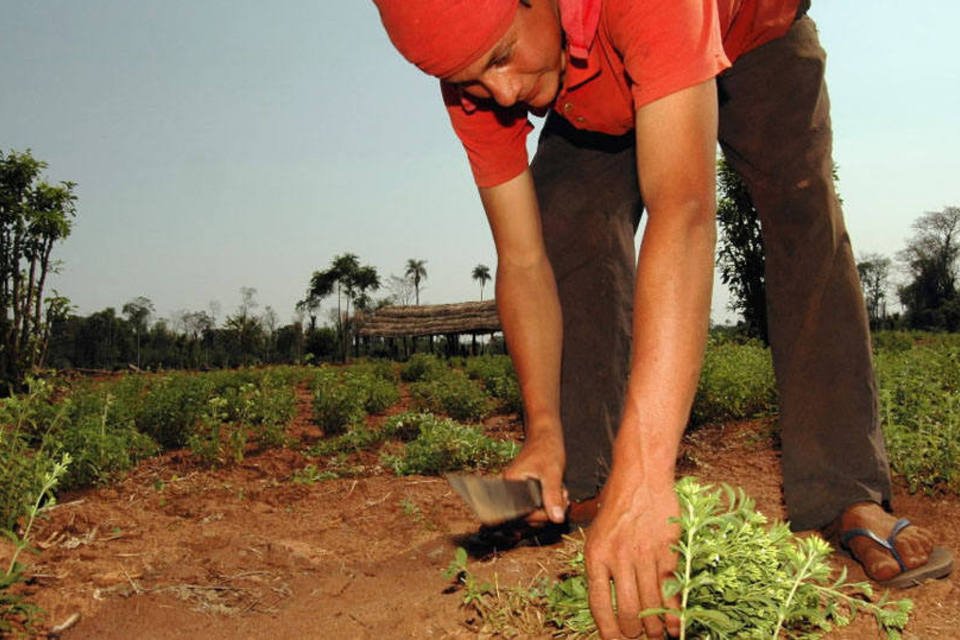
(527, 300)
(671, 317)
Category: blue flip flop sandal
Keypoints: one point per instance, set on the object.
(939, 565)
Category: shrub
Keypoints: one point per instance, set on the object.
(336, 406)
(170, 407)
(453, 394)
(101, 441)
(736, 382)
(499, 379)
(21, 475)
(422, 367)
(919, 392)
(444, 445)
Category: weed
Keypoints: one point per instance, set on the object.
(309, 474)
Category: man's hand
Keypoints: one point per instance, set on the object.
(630, 544)
(542, 457)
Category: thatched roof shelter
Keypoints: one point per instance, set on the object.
(432, 320)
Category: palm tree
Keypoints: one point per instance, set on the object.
(416, 271)
(481, 272)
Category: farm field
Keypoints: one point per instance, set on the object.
(346, 536)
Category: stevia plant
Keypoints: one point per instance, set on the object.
(737, 577)
(14, 610)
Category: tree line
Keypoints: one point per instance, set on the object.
(38, 329)
(922, 277)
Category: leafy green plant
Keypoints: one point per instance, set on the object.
(335, 405)
(13, 608)
(737, 577)
(422, 367)
(498, 377)
(445, 445)
(101, 441)
(355, 438)
(453, 394)
(207, 439)
(736, 382)
(919, 391)
(311, 474)
(169, 407)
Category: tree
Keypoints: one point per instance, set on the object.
(245, 327)
(740, 256)
(34, 217)
(138, 312)
(481, 273)
(416, 272)
(351, 281)
(401, 290)
(874, 270)
(930, 299)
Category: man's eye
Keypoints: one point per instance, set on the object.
(500, 60)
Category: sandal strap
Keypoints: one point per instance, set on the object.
(888, 544)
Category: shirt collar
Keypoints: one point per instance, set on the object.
(580, 19)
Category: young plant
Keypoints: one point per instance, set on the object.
(736, 578)
(443, 445)
(12, 606)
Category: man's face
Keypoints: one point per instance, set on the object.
(526, 65)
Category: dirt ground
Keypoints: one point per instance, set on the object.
(178, 551)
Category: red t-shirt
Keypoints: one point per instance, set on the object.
(642, 50)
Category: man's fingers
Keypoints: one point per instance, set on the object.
(651, 597)
(554, 503)
(673, 602)
(601, 605)
(628, 603)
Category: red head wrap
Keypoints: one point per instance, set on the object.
(444, 36)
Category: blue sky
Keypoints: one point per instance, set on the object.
(219, 145)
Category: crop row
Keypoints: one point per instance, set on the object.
(107, 426)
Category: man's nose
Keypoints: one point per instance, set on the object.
(504, 88)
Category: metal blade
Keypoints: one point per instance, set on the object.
(495, 499)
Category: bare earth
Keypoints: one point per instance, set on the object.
(179, 551)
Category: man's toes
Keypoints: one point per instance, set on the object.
(880, 565)
(914, 551)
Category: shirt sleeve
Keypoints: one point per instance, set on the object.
(495, 139)
(667, 45)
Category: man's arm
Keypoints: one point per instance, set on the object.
(530, 314)
(630, 540)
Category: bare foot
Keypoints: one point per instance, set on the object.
(914, 544)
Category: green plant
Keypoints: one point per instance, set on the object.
(736, 382)
(336, 406)
(445, 445)
(422, 367)
(453, 394)
(737, 577)
(498, 377)
(169, 406)
(310, 474)
(206, 441)
(100, 441)
(355, 438)
(13, 608)
(919, 391)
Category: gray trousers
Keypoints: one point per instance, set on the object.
(775, 132)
